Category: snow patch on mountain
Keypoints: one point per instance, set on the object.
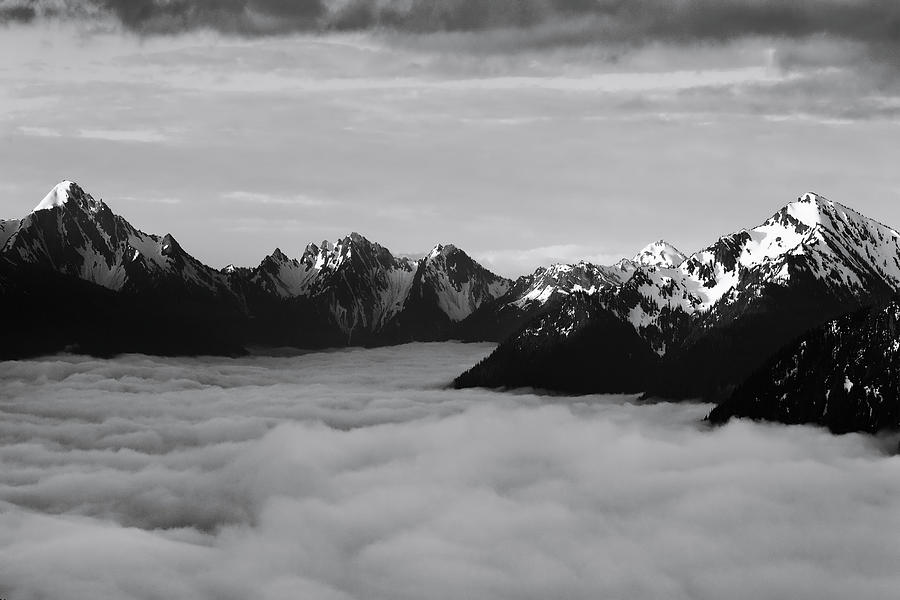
(360, 282)
(72, 233)
(56, 197)
(659, 254)
(287, 277)
(835, 244)
(560, 280)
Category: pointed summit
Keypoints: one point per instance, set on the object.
(65, 191)
(71, 233)
(814, 211)
(357, 238)
(443, 250)
(56, 197)
(278, 255)
(801, 215)
(169, 246)
(660, 254)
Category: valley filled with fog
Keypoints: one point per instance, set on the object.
(358, 474)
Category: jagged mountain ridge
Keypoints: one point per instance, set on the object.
(448, 287)
(810, 237)
(660, 254)
(364, 288)
(661, 322)
(359, 282)
(356, 284)
(73, 234)
(547, 288)
(461, 284)
(720, 312)
(561, 350)
(842, 261)
(351, 291)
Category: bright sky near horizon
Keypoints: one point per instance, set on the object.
(522, 144)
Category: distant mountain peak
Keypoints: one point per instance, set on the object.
(73, 234)
(59, 195)
(66, 191)
(169, 246)
(660, 254)
(814, 211)
(356, 238)
(443, 250)
(811, 197)
(278, 255)
(803, 214)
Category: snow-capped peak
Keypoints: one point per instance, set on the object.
(811, 211)
(74, 234)
(58, 196)
(810, 197)
(65, 191)
(660, 254)
(806, 211)
(442, 250)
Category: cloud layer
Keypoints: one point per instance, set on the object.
(356, 474)
(867, 20)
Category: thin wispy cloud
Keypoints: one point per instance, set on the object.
(300, 200)
(44, 132)
(170, 200)
(145, 136)
(290, 227)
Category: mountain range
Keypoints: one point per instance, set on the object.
(79, 277)
(714, 319)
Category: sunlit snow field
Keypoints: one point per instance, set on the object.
(358, 474)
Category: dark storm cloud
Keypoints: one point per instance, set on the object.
(21, 14)
(875, 21)
(239, 16)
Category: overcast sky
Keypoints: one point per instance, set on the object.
(524, 131)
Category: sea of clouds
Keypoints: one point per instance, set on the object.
(359, 474)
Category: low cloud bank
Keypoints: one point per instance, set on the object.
(357, 474)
